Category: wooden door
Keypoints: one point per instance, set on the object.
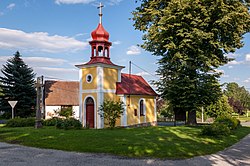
(90, 116)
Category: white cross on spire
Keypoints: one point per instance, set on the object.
(100, 14)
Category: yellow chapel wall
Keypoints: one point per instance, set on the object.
(110, 77)
(133, 103)
(114, 97)
(93, 84)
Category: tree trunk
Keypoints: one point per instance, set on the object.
(192, 117)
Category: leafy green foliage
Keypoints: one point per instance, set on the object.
(191, 37)
(17, 84)
(219, 108)
(231, 122)
(111, 110)
(239, 97)
(164, 109)
(20, 122)
(66, 112)
(50, 122)
(216, 130)
(68, 123)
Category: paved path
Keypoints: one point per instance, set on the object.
(16, 155)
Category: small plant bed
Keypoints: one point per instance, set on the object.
(154, 142)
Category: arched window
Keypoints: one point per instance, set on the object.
(142, 111)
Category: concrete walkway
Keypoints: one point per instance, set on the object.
(17, 155)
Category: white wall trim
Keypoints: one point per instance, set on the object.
(119, 76)
(99, 65)
(100, 95)
(99, 90)
(144, 109)
(124, 116)
(84, 112)
(80, 97)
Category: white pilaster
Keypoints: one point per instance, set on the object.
(80, 98)
(124, 116)
(100, 96)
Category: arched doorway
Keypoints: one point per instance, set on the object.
(90, 113)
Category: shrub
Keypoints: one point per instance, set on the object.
(66, 112)
(69, 123)
(216, 130)
(50, 122)
(231, 122)
(20, 122)
(111, 110)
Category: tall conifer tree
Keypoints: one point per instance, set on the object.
(17, 84)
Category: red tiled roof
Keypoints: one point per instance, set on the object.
(100, 59)
(133, 85)
(59, 93)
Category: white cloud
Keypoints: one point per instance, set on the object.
(134, 50)
(234, 62)
(117, 42)
(247, 57)
(38, 41)
(73, 1)
(232, 55)
(143, 73)
(219, 71)
(114, 2)
(36, 61)
(48, 67)
(247, 80)
(230, 67)
(95, 2)
(42, 61)
(11, 6)
(223, 74)
(57, 73)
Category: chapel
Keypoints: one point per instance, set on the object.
(100, 79)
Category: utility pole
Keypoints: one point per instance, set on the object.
(39, 85)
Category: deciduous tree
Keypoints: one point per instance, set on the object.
(191, 38)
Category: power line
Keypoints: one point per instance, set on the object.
(145, 70)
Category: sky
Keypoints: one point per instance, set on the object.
(52, 37)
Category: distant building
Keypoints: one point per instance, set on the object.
(59, 95)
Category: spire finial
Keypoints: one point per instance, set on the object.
(100, 14)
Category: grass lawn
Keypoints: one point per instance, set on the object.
(155, 142)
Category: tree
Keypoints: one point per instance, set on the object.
(239, 97)
(111, 110)
(236, 104)
(219, 108)
(17, 84)
(191, 37)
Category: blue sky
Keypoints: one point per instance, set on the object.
(53, 35)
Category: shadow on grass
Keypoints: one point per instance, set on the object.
(153, 142)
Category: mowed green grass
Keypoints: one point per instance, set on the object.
(154, 142)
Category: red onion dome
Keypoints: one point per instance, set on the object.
(100, 34)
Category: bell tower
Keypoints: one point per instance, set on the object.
(100, 44)
(97, 77)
